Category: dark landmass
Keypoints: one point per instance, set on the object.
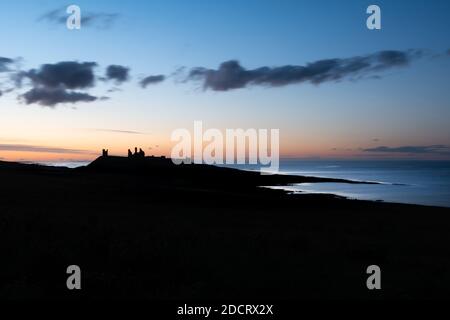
(145, 228)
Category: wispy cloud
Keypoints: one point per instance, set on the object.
(119, 131)
(100, 20)
(42, 149)
(152, 80)
(432, 149)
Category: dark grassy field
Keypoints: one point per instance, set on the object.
(151, 230)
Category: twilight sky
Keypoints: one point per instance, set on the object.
(137, 70)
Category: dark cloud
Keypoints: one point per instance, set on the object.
(32, 148)
(5, 64)
(231, 75)
(117, 73)
(50, 97)
(152, 80)
(53, 84)
(435, 149)
(70, 74)
(63, 82)
(88, 19)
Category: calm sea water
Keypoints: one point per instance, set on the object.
(418, 182)
(68, 164)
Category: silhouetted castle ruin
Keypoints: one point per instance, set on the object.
(137, 154)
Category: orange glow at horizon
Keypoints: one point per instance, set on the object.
(92, 150)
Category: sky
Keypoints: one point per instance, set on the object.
(138, 70)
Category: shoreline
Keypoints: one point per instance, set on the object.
(284, 180)
(319, 193)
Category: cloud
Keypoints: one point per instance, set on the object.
(50, 97)
(434, 149)
(152, 80)
(70, 74)
(100, 20)
(53, 84)
(114, 89)
(231, 75)
(119, 131)
(65, 81)
(5, 63)
(118, 73)
(32, 148)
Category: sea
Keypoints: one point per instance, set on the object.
(416, 182)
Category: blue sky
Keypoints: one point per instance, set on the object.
(407, 106)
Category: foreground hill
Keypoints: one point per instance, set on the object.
(161, 168)
(149, 229)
